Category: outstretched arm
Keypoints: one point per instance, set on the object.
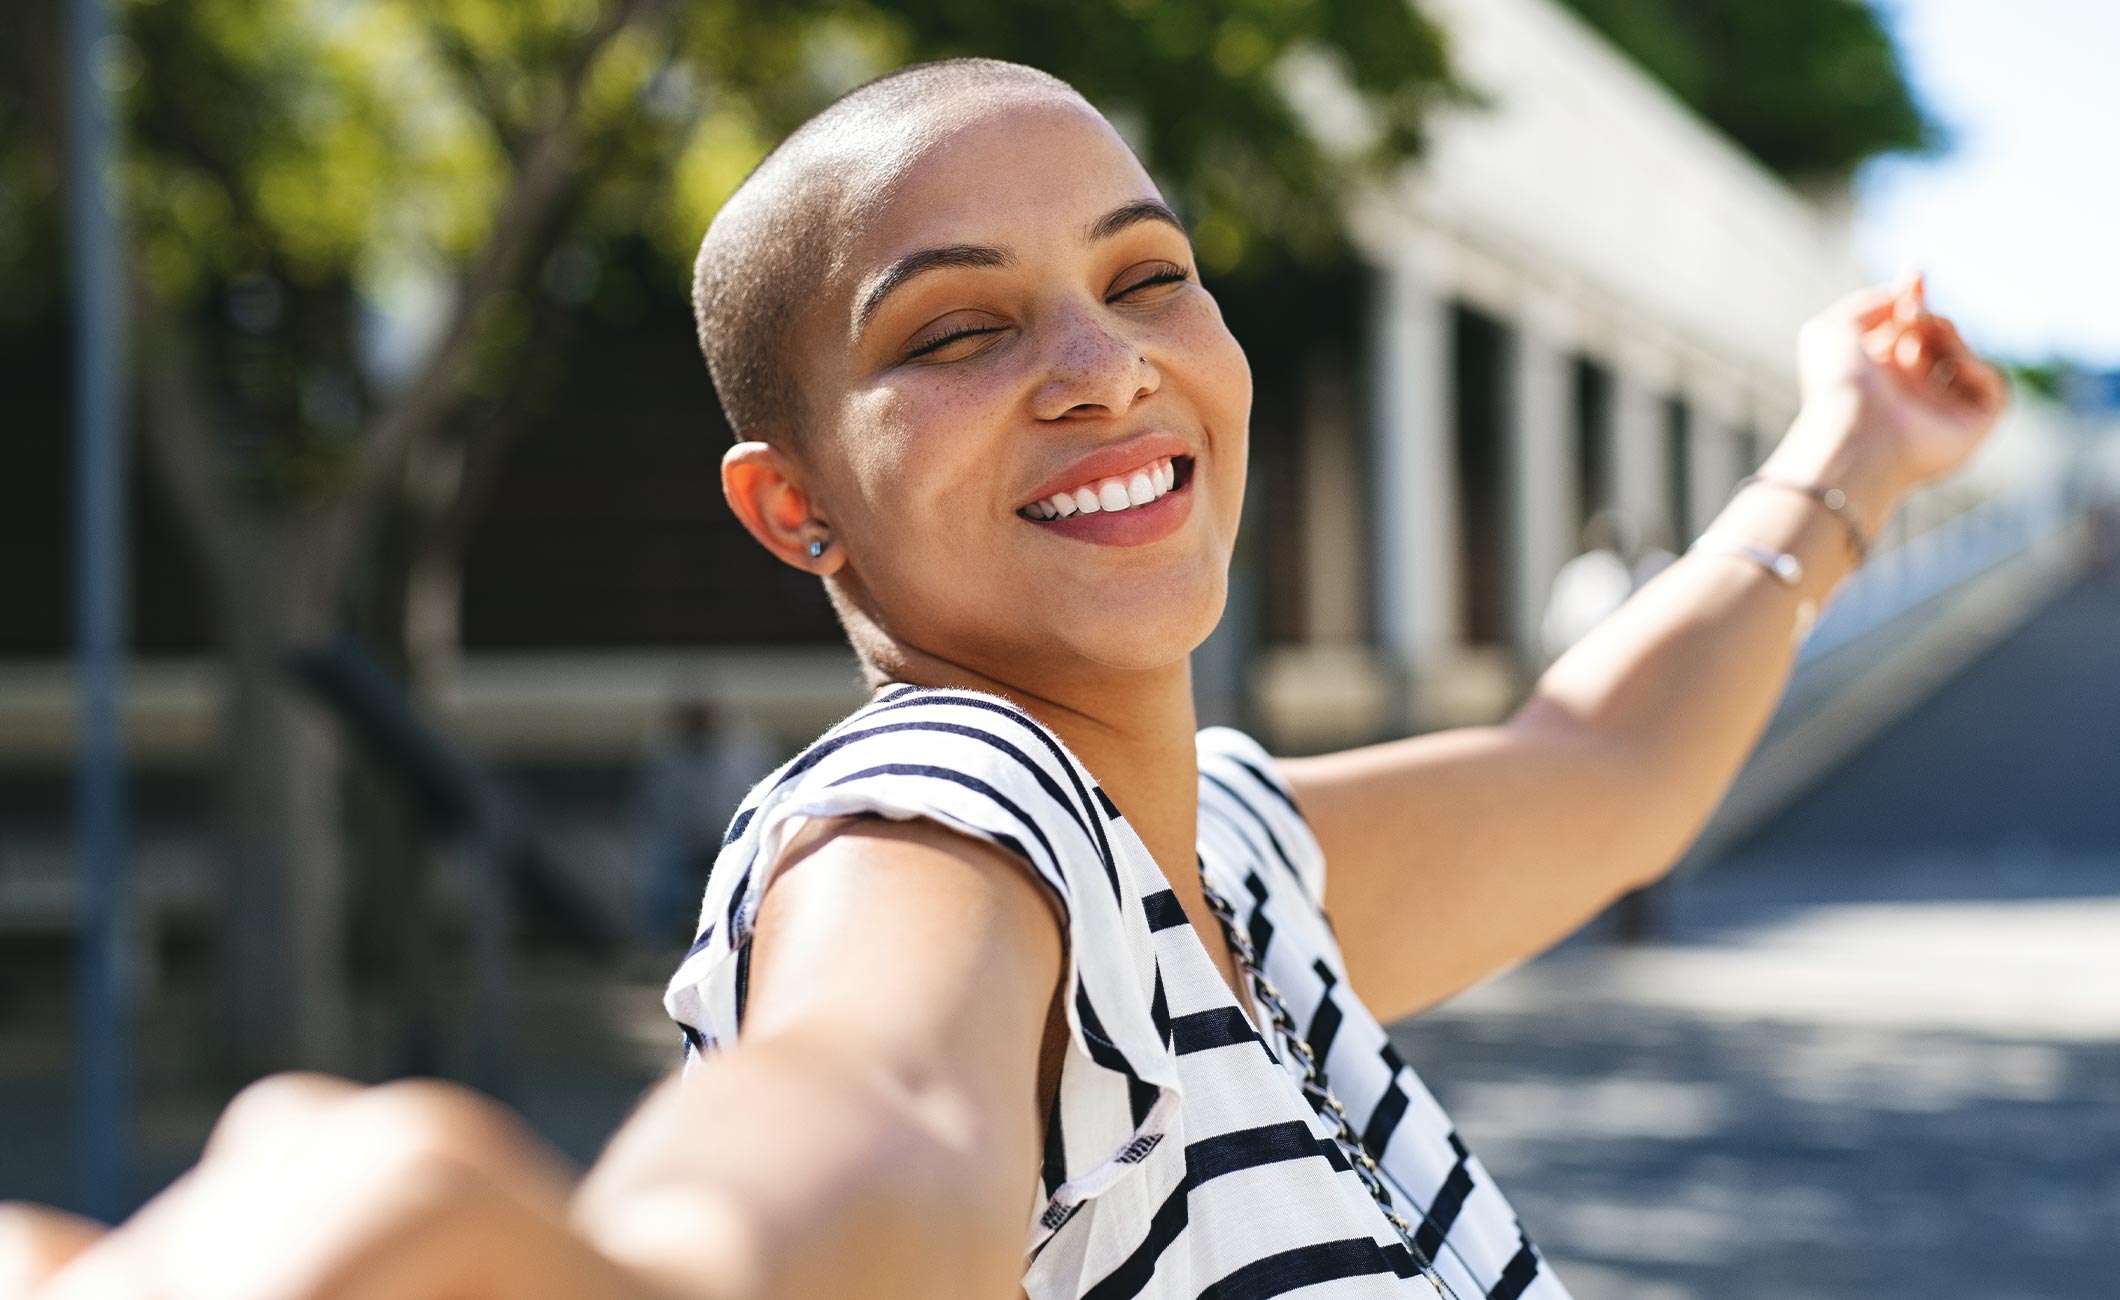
(875, 1134)
(1456, 853)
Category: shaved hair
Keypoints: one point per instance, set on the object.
(781, 234)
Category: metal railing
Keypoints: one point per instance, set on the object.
(1939, 560)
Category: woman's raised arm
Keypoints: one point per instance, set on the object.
(1453, 854)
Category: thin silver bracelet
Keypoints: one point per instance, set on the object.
(1832, 498)
(1784, 566)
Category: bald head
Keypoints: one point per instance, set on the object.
(782, 235)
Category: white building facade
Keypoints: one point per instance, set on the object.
(1586, 297)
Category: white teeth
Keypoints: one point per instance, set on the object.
(1140, 488)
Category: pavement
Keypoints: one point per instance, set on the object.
(1873, 1052)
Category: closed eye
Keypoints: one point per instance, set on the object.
(1173, 275)
(950, 336)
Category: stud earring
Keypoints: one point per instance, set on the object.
(816, 547)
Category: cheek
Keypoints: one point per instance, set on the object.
(921, 465)
(1208, 361)
(1210, 368)
(914, 446)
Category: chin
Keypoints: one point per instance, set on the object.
(1140, 636)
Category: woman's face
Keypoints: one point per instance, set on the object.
(1018, 321)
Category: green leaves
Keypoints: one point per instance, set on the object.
(1811, 87)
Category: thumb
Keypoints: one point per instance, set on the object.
(36, 1242)
(1910, 296)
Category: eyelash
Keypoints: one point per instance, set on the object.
(1171, 276)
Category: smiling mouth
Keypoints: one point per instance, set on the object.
(1122, 492)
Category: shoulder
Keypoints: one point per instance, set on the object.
(1226, 751)
(967, 755)
(1242, 785)
(982, 765)
(971, 763)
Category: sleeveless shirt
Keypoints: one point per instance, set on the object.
(1181, 1160)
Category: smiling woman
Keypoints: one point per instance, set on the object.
(970, 1007)
(969, 339)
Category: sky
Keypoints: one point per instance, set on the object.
(2018, 225)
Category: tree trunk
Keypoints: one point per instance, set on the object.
(409, 617)
(283, 990)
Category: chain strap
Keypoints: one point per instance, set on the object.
(1315, 1089)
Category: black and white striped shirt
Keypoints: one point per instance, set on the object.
(1181, 1160)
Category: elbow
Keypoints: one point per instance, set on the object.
(1631, 811)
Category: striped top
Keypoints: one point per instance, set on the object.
(1181, 1158)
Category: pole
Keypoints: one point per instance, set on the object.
(100, 580)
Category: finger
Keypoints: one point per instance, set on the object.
(1921, 359)
(132, 1259)
(1866, 307)
(464, 1126)
(36, 1242)
(432, 1193)
(1910, 305)
(1978, 381)
(1879, 343)
(384, 1187)
(476, 1239)
(1909, 351)
(1983, 384)
(274, 1111)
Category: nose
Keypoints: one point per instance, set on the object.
(1091, 371)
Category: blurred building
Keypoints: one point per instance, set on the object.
(1582, 297)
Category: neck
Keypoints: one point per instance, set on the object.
(1133, 730)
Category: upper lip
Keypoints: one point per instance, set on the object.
(1110, 462)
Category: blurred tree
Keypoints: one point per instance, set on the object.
(362, 231)
(1812, 88)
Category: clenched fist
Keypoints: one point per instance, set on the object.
(313, 1187)
(1891, 373)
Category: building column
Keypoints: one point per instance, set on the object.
(1714, 462)
(1541, 484)
(1638, 456)
(1335, 568)
(1417, 615)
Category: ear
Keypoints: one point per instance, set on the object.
(764, 488)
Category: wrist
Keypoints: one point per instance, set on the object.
(1831, 446)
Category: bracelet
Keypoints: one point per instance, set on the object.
(1832, 498)
(1784, 566)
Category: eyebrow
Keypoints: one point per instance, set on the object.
(988, 256)
(1133, 214)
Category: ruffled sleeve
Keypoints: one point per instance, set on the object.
(1239, 767)
(982, 766)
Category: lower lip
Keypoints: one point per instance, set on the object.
(1133, 526)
